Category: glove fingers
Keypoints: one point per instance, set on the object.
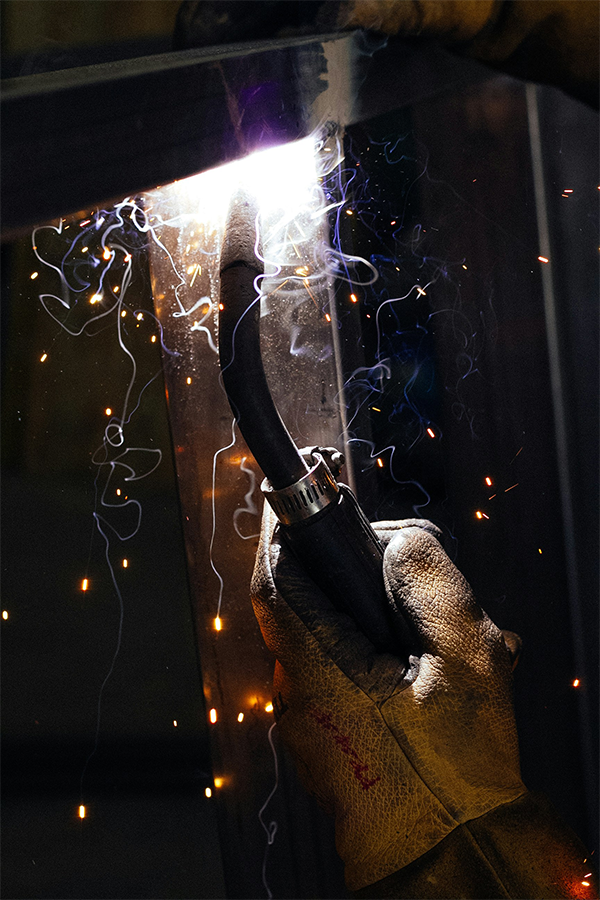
(424, 582)
(305, 631)
(387, 528)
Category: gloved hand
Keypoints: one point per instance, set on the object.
(401, 758)
(552, 41)
(417, 754)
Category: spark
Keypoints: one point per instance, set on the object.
(310, 293)
(207, 792)
(85, 222)
(153, 339)
(375, 409)
(464, 267)
(188, 380)
(191, 269)
(283, 284)
(95, 298)
(431, 432)
(82, 811)
(123, 313)
(107, 253)
(540, 550)
(349, 212)
(197, 272)
(218, 623)
(543, 259)
(481, 515)
(212, 716)
(5, 614)
(511, 487)
(125, 563)
(218, 782)
(576, 682)
(380, 462)
(421, 291)
(302, 270)
(43, 357)
(354, 298)
(118, 492)
(269, 708)
(221, 307)
(116, 289)
(174, 723)
(240, 717)
(328, 317)
(568, 190)
(84, 249)
(140, 317)
(85, 584)
(108, 411)
(393, 222)
(127, 257)
(34, 275)
(488, 481)
(585, 883)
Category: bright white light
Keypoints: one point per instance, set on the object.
(282, 179)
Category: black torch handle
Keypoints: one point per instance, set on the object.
(343, 555)
(336, 545)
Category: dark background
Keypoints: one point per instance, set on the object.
(480, 344)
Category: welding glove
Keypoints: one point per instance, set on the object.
(552, 41)
(419, 764)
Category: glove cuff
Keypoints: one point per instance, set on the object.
(520, 849)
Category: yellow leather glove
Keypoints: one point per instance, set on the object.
(403, 758)
(553, 41)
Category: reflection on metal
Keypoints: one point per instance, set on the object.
(565, 470)
(219, 480)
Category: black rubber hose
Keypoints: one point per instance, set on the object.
(242, 369)
(337, 546)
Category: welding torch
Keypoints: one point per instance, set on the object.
(320, 520)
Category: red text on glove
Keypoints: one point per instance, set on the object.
(343, 741)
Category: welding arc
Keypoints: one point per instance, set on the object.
(242, 369)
